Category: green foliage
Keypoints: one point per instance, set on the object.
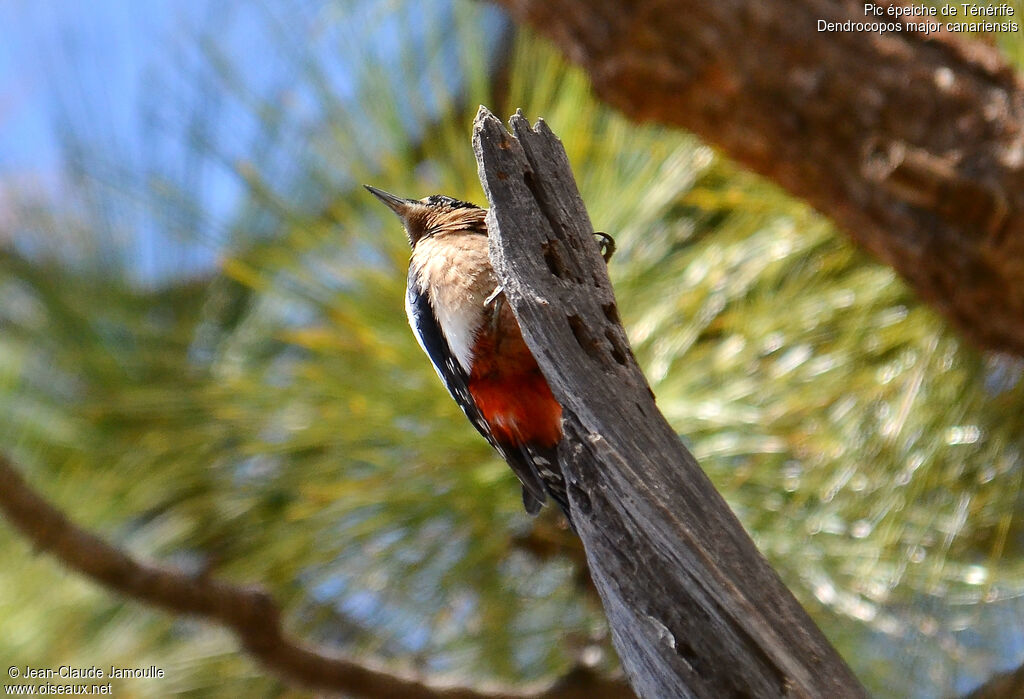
(272, 420)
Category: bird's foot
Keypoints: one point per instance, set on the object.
(493, 298)
(607, 244)
(495, 302)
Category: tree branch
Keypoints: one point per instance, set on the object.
(249, 612)
(694, 608)
(913, 144)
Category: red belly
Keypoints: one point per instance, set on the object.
(520, 409)
(516, 401)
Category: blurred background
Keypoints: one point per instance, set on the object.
(204, 357)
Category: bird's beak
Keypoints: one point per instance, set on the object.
(397, 204)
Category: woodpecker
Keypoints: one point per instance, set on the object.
(457, 312)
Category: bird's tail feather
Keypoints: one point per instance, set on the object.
(544, 461)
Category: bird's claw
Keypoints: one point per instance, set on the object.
(494, 295)
(607, 244)
(495, 300)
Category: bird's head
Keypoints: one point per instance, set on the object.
(431, 215)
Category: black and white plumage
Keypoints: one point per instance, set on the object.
(454, 377)
(474, 342)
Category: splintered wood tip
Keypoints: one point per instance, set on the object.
(482, 114)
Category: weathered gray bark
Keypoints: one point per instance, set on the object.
(913, 144)
(695, 609)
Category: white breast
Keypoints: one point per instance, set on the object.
(457, 274)
(459, 323)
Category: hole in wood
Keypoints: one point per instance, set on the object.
(580, 500)
(619, 352)
(685, 651)
(583, 337)
(611, 313)
(553, 260)
(528, 181)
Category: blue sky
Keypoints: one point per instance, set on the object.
(82, 56)
(122, 91)
(103, 87)
(72, 80)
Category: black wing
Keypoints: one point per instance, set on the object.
(432, 339)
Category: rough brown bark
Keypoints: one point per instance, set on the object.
(913, 144)
(694, 608)
(251, 614)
